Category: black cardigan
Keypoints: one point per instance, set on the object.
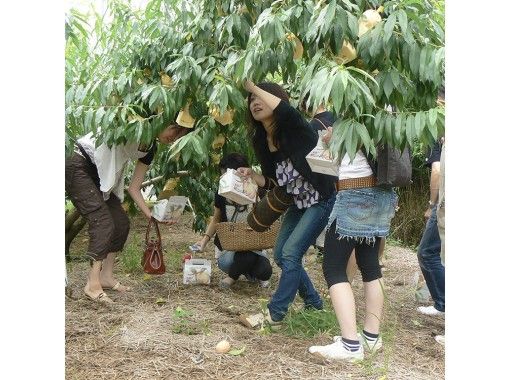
(297, 139)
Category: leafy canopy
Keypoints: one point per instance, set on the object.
(126, 78)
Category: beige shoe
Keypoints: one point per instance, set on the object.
(100, 298)
(254, 321)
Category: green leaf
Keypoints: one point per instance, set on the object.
(237, 352)
(344, 76)
(395, 78)
(433, 116)
(364, 89)
(99, 115)
(330, 15)
(155, 95)
(139, 131)
(364, 73)
(388, 85)
(349, 146)
(380, 127)
(365, 136)
(388, 133)
(402, 20)
(418, 124)
(414, 60)
(327, 89)
(389, 25)
(88, 120)
(146, 92)
(186, 155)
(337, 93)
(432, 127)
(398, 129)
(423, 62)
(353, 24)
(121, 82)
(196, 145)
(410, 135)
(377, 120)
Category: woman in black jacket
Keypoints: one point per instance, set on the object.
(281, 139)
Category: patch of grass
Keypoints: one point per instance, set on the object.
(310, 323)
(173, 259)
(388, 334)
(184, 324)
(399, 243)
(408, 224)
(131, 256)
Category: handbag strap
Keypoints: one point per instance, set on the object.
(149, 229)
(320, 122)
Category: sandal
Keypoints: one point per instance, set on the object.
(100, 298)
(117, 286)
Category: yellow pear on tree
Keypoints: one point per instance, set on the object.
(223, 119)
(169, 188)
(368, 20)
(218, 142)
(347, 54)
(216, 158)
(298, 49)
(184, 119)
(166, 80)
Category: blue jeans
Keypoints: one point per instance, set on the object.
(226, 259)
(299, 230)
(429, 257)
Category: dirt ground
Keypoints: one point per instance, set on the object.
(163, 329)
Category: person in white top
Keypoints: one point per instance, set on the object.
(94, 182)
(359, 221)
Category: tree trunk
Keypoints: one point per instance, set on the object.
(71, 217)
(71, 234)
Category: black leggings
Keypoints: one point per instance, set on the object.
(251, 264)
(337, 253)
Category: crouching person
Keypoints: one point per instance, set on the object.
(254, 265)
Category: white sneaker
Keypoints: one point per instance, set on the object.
(337, 351)
(264, 284)
(367, 344)
(430, 310)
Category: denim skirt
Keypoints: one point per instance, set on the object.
(363, 214)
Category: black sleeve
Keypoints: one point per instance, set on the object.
(434, 155)
(289, 117)
(219, 202)
(147, 159)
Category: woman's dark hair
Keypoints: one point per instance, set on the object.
(256, 129)
(233, 161)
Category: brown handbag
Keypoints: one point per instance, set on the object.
(152, 259)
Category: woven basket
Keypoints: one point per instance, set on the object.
(240, 237)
